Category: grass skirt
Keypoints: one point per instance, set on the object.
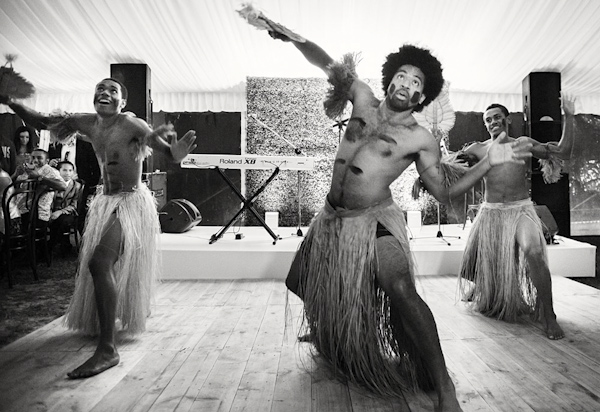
(346, 312)
(136, 270)
(495, 264)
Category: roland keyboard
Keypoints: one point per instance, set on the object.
(249, 161)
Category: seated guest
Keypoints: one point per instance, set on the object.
(64, 208)
(47, 176)
(8, 155)
(81, 154)
(15, 217)
(25, 141)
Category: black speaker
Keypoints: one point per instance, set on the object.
(157, 183)
(556, 197)
(178, 216)
(541, 97)
(136, 77)
(545, 132)
(549, 225)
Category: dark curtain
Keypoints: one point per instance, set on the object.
(216, 133)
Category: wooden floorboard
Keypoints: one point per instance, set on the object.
(230, 346)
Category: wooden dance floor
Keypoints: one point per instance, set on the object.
(223, 346)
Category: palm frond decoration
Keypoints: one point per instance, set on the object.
(258, 19)
(12, 83)
(438, 117)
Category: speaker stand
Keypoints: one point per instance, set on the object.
(299, 231)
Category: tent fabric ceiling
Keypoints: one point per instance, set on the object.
(200, 51)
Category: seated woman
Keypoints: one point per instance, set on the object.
(25, 140)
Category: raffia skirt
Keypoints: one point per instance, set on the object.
(500, 285)
(345, 311)
(136, 270)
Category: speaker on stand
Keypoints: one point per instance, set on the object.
(136, 77)
(543, 122)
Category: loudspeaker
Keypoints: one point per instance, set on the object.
(178, 216)
(136, 77)
(541, 97)
(556, 197)
(157, 183)
(549, 226)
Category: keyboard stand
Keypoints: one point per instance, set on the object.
(247, 205)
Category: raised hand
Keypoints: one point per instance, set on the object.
(513, 152)
(180, 148)
(567, 103)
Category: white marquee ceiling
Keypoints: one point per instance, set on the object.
(200, 51)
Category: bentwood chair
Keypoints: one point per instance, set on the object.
(73, 229)
(39, 231)
(16, 238)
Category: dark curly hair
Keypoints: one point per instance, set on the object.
(425, 61)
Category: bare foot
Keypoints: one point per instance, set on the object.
(549, 323)
(469, 296)
(553, 329)
(104, 358)
(447, 400)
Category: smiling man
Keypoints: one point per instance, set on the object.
(504, 271)
(118, 254)
(354, 270)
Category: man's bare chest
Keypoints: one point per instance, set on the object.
(384, 141)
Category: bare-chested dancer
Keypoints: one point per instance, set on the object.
(502, 273)
(117, 259)
(354, 270)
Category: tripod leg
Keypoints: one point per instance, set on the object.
(299, 232)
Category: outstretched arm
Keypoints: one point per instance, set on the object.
(434, 177)
(164, 139)
(30, 116)
(62, 125)
(311, 51)
(563, 149)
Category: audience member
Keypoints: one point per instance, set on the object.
(25, 141)
(64, 208)
(81, 154)
(15, 216)
(46, 175)
(8, 155)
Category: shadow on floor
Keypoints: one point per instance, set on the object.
(592, 240)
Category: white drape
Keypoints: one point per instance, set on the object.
(200, 51)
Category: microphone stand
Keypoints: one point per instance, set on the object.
(439, 234)
(298, 151)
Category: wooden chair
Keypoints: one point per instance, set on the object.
(39, 232)
(73, 229)
(17, 239)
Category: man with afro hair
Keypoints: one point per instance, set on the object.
(354, 270)
(418, 57)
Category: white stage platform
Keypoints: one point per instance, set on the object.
(190, 256)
